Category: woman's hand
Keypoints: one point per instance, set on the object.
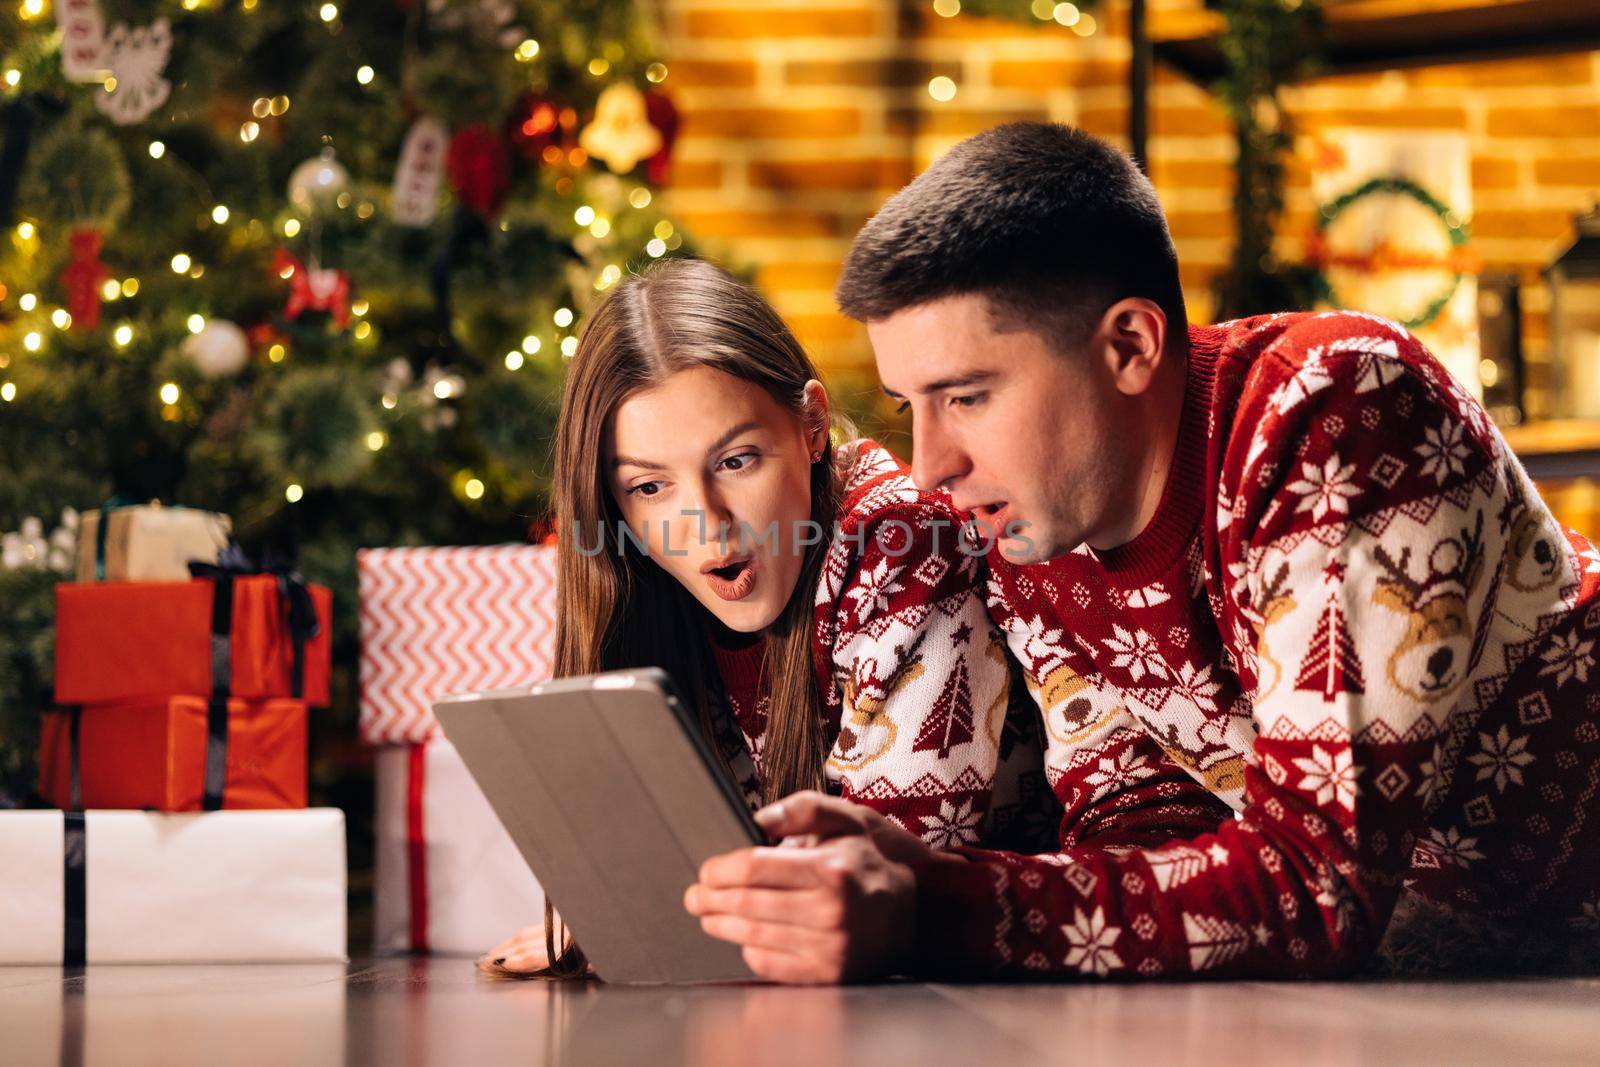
(523, 953)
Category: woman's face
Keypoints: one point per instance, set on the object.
(714, 476)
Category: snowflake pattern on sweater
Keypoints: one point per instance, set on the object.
(914, 674)
(1353, 631)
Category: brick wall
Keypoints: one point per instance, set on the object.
(801, 116)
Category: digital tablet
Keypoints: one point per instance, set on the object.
(614, 798)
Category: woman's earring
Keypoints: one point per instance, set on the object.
(816, 456)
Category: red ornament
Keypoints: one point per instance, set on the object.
(534, 125)
(82, 278)
(479, 170)
(663, 115)
(313, 288)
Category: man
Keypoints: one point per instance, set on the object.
(1288, 555)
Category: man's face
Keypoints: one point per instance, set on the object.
(1022, 436)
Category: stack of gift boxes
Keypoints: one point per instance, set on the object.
(177, 758)
(437, 621)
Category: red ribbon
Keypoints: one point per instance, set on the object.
(417, 849)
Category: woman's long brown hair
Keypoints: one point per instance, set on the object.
(616, 607)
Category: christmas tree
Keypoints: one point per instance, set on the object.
(315, 265)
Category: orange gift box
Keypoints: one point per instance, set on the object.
(125, 641)
(152, 754)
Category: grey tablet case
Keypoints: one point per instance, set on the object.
(614, 798)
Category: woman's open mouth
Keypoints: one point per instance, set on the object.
(731, 577)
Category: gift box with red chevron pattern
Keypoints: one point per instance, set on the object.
(436, 621)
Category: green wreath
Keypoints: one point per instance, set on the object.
(1459, 233)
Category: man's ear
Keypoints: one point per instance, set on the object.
(1132, 336)
(815, 412)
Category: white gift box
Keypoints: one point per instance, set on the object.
(449, 878)
(436, 621)
(202, 887)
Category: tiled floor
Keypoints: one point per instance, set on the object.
(439, 1011)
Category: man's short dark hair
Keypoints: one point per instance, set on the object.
(1052, 225)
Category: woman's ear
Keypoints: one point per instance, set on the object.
(815, 411)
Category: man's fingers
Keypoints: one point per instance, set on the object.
(786, 967)
(810, 908)
(771, 868)
(775, 935)
(811, 812)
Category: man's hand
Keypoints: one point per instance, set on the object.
(835, 902)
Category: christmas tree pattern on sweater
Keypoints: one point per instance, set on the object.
(914, 674)
(1354, 630)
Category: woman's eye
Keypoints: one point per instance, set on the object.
(645, 489)
(740, 462)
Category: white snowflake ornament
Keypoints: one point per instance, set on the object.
(136, 58)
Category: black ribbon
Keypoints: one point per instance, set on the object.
(74, 862)
(102, 525)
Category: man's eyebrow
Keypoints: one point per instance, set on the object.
(718, 444)
(957, 381)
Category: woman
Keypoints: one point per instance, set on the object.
(823, 616)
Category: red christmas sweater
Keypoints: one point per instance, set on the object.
(914, 674)
(1354, 630)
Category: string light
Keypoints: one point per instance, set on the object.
(111, 289)
(442, 389)
(60, 319)
(329, 12)
(389, 401)
(1085, 25)
(1066, 14)
(531, 344)
(169, 393)
(122, 335)
(293, 492)
(364, 75)
(181, 263)
(942, 89)
(569, 346)
(610, 276)
(473, 489)
(360, 308)
(261, 108)
(600, 227)
(584, 215)
(32, 9)
(13, 77)
(291, 227)
(26, 230)
(280, 104)
(663, 229)
(640, 197)
(375, 440)
(32, 341)
(656, 73)
(563, 317)
(219, 214)
(1043, 10)
(249, 132)
(130, 287)
(656, 248)
(513, 360)
(527, 50)
(27, 301)
(8, 392)
(598, 66)
(947, 8)
(196, 323)
(276, 353)
(363, 330)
